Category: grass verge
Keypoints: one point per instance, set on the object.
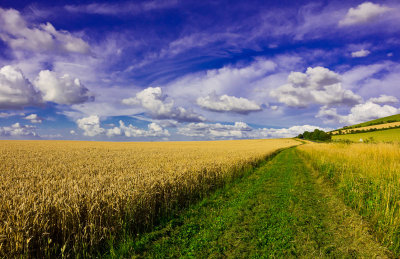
(366, 177)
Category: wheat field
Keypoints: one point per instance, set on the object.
(67, 198)
(367, 176)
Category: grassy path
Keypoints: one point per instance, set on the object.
(281, 210)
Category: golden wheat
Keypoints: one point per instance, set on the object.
(368, 178)
(65, 197)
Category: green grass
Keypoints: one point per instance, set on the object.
(282, 209)
(380, 121)
(385, 135)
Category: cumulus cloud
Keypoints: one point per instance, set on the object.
(384, 99)
(360, 53)
(62, 90)
(317, 85)
(90, 126)
(15, 90)
(15, 31)
(363, 13)
(161, 107)
(287, 132)
(18, 130)
(359, 113)
(153, 130)
(216, 130)
(226, 103)
(241, 130)
(34, 118)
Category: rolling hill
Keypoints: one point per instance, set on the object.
(384, 120)
(382, 129)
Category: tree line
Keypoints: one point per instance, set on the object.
(316, 135)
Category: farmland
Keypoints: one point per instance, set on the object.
(239, 198)
(68, 197)
(283, 209)
(366, 177)
(366, 128)
(386, 135)
(384, 120)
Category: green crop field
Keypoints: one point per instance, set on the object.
(385, 135)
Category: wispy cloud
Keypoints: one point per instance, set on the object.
(126, 8)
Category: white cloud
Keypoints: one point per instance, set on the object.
(216, 130)
(359, 113)
(5, 115)
(33, 118)
(241, 130)
(130, 8)
(153, 130)
(72, 132)
(90, 125)
(161, 107)
(15, 90)
(51, 136)
(363, 13)
(226, 103)
(228, 79)
(61, 90)
(18, 130)
(360, 53)
(359, 74)
(116, 131)
(10, 114)
(384, 99)
(317, 85)
(15, 31)
(287, 132)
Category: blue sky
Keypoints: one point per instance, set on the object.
(194, 70)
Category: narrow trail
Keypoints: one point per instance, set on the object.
(282, 209)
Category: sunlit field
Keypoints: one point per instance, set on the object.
(389, 135)
(66, 197)
(378, 127)
(367, 176)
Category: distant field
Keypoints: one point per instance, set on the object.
(382, 135)
(379, 126)
(380, 120)
(66, 198)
